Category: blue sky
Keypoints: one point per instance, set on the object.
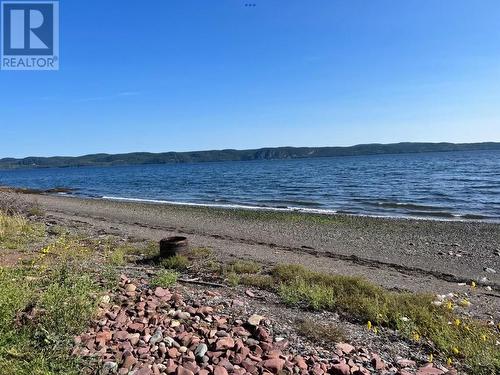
(192, 75)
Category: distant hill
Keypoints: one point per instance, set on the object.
(239, 155)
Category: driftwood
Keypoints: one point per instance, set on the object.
(200, 282)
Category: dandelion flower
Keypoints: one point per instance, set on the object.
(369, 325)
(457, 322)
(449, 362)
(449, 305)
(455, 351)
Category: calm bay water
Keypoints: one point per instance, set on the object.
(451, 185)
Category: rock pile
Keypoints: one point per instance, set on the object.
(153, 331)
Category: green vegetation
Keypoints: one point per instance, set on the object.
(244, 266)
(413, 315)
(17, 231)
(165, 278)
(117, 257)
(239, 155)
(40, 312)
(233, 279)
(177, 262)
(258, 281)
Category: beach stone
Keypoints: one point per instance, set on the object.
(429, 370)
(377, 362)
(158, 336)
(274, 364)
(109, 368)
(128, 360)
(254, 320)
(341, 369)
(201, 350)
(224, 343)
(130, 288)
(183, 371)
(406, 363)
(345, 348)
(160, 292)
(219, 370)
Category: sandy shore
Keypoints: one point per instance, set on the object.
(417, 255)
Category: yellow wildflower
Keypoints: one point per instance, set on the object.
(431, 358)
(416, 336)
(484, 338)
(449, 305)
(457, 322)
(369, 325)
(464, 303)
(449, 362)
(455, 351)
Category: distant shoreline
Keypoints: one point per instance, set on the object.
(270, 153)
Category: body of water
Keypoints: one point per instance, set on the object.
(446, 185)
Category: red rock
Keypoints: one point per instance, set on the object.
(183, 371)
(300, 362)
(406, 363)
(173, 353)
(224, 343)
(429, 371)
(128, 360)
(377, 362)
(341, 369)
(171, 366)
(145, 370)
(345, 348)
(160, 292)
(120, 335)
(136, 327)
(219, 370)
(274, 364)
(103, 337)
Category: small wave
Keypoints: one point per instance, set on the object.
(232, 205)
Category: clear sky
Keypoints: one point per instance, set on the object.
(183, 75)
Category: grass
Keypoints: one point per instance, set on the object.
(118, 256)
(39, 314)
(257, 280)
(244, 266)
(165, 278)
(320, 332)
(177, 262)
(413, 315)
(17, 231)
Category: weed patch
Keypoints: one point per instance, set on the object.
(413, 315)
(165, 278)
